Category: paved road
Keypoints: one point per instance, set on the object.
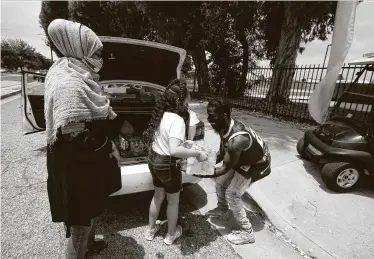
(14, 77)
(11, 84)
(27, 230)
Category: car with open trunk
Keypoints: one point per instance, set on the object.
(133, 75)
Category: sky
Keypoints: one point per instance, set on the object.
(20, 19)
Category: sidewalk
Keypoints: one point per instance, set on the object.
(318, 223)
(10, 88)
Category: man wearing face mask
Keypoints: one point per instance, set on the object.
(246, 158)
(81, 158)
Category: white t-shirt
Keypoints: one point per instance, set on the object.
(193, 118)
(172, 126)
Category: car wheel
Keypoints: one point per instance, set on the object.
(341, 177)
(300, 148)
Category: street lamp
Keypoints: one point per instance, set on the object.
(327, 49)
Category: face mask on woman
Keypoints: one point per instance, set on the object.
(93, 63)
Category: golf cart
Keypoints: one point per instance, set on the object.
(345, 143)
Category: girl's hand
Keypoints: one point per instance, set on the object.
(202, 156)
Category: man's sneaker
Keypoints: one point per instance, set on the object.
(218, 213)
(169, 239)
(150, 233)
(240, 237)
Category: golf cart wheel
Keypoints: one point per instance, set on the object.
(341, 177)
(300, 148)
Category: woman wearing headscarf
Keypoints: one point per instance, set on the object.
(81, 159)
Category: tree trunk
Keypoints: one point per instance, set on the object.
(194, 81)
(201, 67)
(243, 76)
(282, 79)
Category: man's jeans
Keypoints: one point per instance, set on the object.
(230, 188)
(81, 236)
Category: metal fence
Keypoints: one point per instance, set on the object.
(301, 82)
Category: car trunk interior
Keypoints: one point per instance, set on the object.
(134, 107)
(130, 145)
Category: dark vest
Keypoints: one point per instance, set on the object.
(255, 152)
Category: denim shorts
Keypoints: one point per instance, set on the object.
(166, 172)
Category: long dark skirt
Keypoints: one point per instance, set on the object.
(81, 175)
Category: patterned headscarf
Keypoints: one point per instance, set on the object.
(72, 93)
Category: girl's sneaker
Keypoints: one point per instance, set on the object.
(169, 239)
(150, 233)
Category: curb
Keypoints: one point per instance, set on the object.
(19, 91)
(285, 228)
(10, 94)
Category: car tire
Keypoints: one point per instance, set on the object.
(300, 148)
(341, 176)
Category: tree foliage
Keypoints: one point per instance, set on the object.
(51, 10)
(235, 43)
(286, 25)
(17, 54)
(315, 20)
(236, 33)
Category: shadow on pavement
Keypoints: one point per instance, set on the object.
(227, 226)
(41, 151)
(131, 210)
(126, 217)
(196, 193)
(197, 233)
(366, 189)
(120, 247)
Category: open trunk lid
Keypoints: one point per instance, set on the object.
(142, 61)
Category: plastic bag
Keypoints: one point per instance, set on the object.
(123, 146)
(127, 129)
(193, 166)
(137, 147)
(131, 146)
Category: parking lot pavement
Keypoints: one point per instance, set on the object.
(27, 231)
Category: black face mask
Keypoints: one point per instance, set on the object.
(217, 123)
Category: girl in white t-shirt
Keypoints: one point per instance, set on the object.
(165, 136)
